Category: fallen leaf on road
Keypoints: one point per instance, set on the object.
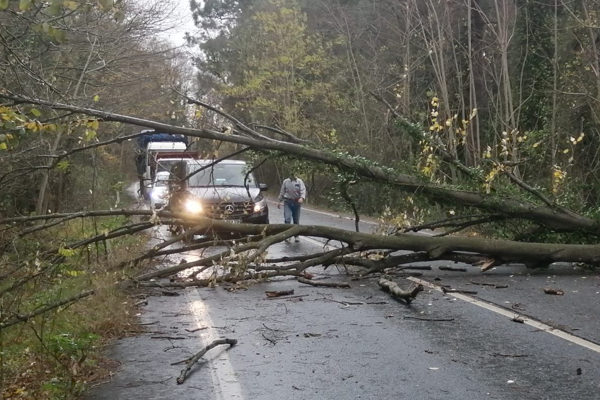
(433, 368)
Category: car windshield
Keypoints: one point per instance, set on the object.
(166, 165)
(220, 175)
(161, 180)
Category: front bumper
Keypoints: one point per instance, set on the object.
(261, 217)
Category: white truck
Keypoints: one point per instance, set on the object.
(152, 148)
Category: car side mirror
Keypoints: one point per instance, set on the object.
(263, 187)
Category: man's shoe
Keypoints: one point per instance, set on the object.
(297, 239)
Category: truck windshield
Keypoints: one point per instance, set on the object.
(221, 175)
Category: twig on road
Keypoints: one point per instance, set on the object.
(325, 284)
(461, 291)
(494, 285)
(193, 360)
(275, 293)
(345, 303)
(509, 355)
(168, 337)
(197, 329)
(287, 297)
(430, 319)
(454, 269)
(557, 292)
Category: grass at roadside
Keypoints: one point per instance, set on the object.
(58, 354)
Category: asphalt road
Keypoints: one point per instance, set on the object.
(359, 344)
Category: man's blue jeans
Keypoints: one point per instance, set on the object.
(291, 211)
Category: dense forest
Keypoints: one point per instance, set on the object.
(477, 116)
(507, 88)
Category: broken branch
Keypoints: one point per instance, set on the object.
(325, 284)
(193, 360)
(407, 295)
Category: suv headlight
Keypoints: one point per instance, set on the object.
(260, 204)
(193, 206)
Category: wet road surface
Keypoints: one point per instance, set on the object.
(358, 343)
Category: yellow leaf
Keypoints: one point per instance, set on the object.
(96, 98)
(36, 112)
(565, 151)
(3, 146)
(94, 124)
(536, 144)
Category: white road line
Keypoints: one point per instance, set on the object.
(499, 310)
(223, 375)
(509, 314)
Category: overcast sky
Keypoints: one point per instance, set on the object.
(184, 16)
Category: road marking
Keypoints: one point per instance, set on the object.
(510, 314)
(499, 310)
(223, 375)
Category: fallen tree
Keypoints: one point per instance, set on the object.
(247, 258)
(545, 215)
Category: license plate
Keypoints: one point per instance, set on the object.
(234, 221)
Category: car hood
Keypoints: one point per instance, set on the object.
(220, 194)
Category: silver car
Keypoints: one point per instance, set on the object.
(159, 191)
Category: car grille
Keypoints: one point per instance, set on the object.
(231, 210)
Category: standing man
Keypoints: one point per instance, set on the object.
(292, 195)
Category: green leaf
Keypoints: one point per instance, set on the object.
(24, 5)
(3, 4)
(96, 98)
(60, 35)
(46, 27)
(55, 8)
(36, 112)
(63, 165)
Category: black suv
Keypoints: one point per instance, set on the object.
(225, 191)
